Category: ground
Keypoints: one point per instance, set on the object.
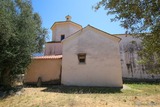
(132, 95)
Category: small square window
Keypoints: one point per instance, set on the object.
(82, 58)
(62, 37)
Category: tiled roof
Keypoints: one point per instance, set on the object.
(48, 57)
(66, 22)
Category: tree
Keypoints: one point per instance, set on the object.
(140, 18)
(21, 35)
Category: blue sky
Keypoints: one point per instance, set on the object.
(81, 12)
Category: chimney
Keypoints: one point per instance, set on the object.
(68, 18)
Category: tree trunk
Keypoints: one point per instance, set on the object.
(5, 78)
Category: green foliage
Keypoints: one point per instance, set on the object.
(21, 35)
(142, 19)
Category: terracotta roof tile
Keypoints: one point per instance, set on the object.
(48, 57)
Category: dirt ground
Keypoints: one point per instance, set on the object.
(132, 95)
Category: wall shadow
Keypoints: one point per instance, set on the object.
(140, 81)
(81, 90)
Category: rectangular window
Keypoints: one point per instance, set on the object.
(62, 37)
(82, 58)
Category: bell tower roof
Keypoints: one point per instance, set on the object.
(68, 21)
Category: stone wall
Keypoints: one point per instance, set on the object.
(129, 47)
(49, 70)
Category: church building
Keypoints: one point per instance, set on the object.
(87, 56)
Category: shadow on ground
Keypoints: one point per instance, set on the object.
(81, 90)
(10, 91)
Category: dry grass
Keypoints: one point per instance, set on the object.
(133, 95)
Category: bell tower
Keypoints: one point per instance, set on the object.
(63, 29)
